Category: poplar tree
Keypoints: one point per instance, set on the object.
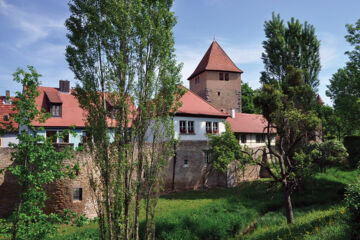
(122, 54)
(293, 44)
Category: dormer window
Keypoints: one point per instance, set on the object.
(55, 110)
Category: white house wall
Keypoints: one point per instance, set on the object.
(8, 138)
(251, 141)
(199, 127)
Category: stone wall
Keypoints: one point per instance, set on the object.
(60, 193)
(177, 176)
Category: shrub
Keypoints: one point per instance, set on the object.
(352, 198)
(352, 144)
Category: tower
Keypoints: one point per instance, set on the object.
(218, 80)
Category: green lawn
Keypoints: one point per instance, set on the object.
(225, 213)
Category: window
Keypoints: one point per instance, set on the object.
(221, 76)
(215, 127)
(84, 137)
(63, 138)
(6, 117)
(51, 135)
(56, 110)
(190, 126)
(183, 127)
(208, 127)
(243, 138)
(197, 80)
(219, 93)
(186, 163)
(212, 127)
(207, 157)
(260, 138)
(187, 127)
(77, 194)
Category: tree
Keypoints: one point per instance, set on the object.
(295, 44)
(247, 99)
(35, 164)
(330, 122)
(344, 88)
(224, 149)
(287, 111)
(122, 53)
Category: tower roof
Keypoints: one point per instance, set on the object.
(215, 59)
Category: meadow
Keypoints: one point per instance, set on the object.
(253, 210)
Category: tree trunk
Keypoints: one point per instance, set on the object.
(288, 204)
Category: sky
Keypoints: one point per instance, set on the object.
(33, 33)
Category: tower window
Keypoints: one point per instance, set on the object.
(221, 76)
(218, 93)
(197, 80)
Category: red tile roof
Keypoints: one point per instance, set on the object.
(72, 114)
(217, 60)
(53, 96)
(247, 123)
(192, 104)
(319, 100)
(5, 110)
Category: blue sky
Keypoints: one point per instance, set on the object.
(33, 33)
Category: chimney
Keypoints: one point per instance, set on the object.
(64, 86)
(233, 113)
(7, 99)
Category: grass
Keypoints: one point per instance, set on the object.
(225, 213)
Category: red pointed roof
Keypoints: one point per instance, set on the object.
(319, 100)
(217, 60)
(192, 104)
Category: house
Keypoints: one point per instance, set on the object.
(250, 129)
(9, 128)
(194, 120)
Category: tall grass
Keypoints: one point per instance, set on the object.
(225, 213)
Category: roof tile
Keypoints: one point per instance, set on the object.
(215, 59)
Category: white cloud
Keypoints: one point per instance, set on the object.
(33, 26)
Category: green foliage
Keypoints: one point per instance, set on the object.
(323, 155)
(352, 144)
(247, 99)
(224, 149)
(122, 53)
(344, 88)
(352, 199)
(331, 126)
(35, 164)
(225, 213)
(293, 44)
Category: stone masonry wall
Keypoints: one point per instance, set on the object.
(60, 193)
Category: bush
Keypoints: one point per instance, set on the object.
(352, 198)
(352, 144)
